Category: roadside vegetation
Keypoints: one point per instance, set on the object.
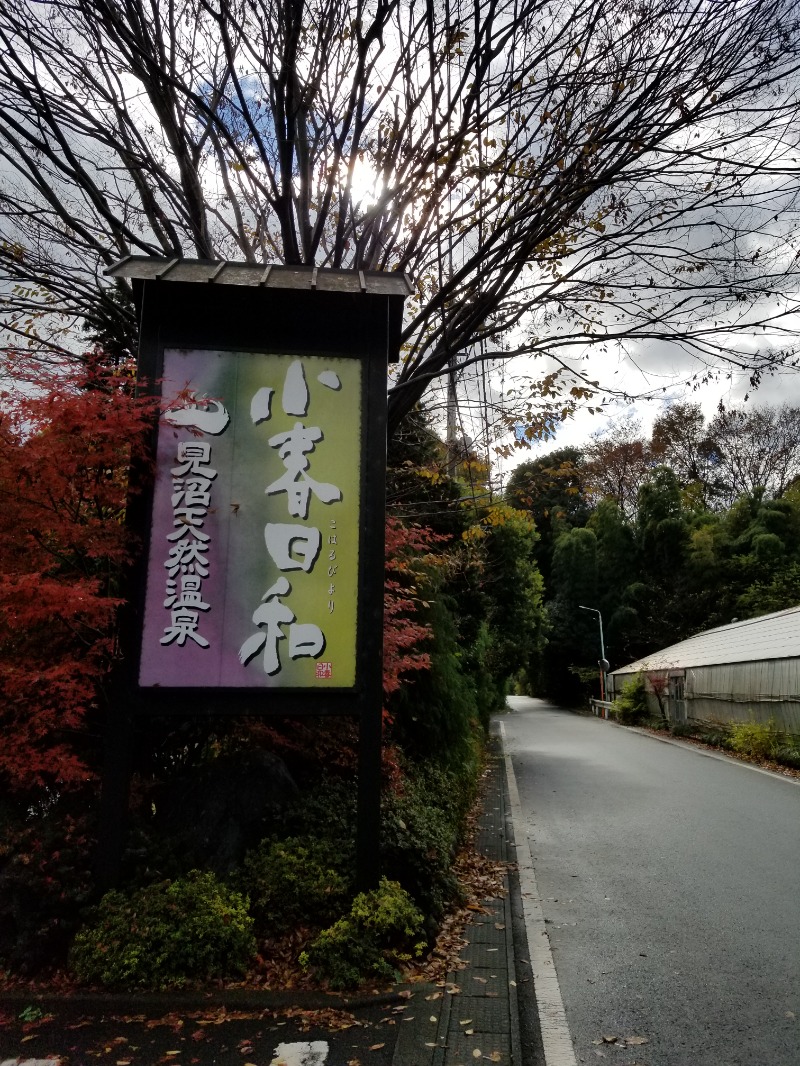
(758, 741)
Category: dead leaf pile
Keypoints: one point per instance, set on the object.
(327, 1018)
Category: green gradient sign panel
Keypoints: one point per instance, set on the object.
(252, 577)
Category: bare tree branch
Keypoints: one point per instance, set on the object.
(556, 179)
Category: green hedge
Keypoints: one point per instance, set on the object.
(167, 934)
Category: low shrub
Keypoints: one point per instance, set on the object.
(165, 935)
(378, 935)
(421, 830)
(327, 810)
(683, 729)
(751, 739)
(789, 755)
(630, 707)
(299, 881)
(717, 735)
(760, 740)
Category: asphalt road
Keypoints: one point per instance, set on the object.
(670, 884)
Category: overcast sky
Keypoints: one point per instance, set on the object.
(659, 366)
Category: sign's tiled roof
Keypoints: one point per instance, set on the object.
(223, 272)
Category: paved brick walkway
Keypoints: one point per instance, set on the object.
(478, 1023)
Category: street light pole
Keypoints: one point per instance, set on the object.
(602, 650)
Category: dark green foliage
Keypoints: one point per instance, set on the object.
(327, 808)
(45, 881)
(437, 711)
(617, 568)
(788, 753)
(421, 831)
(381, 932)
(777, 593)
(575, 633)
(422, 827)
(683, 729)
(553, 490)
(299, 881)
(165, 935)
(513, 586)
(481, 662)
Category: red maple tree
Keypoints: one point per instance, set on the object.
(65, 446)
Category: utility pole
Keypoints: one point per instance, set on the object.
(603, 663)
(452, 407)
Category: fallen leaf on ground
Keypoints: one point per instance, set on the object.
(377, 1047)
(636, 1040)
(172, 1020)
(327, 1018)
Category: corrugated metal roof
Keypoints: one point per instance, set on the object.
(222, 272)
(770, 636)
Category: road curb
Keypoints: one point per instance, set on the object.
(233, 999)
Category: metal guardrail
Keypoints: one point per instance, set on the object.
(600, 708)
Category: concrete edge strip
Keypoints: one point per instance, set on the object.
(556, 1040)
